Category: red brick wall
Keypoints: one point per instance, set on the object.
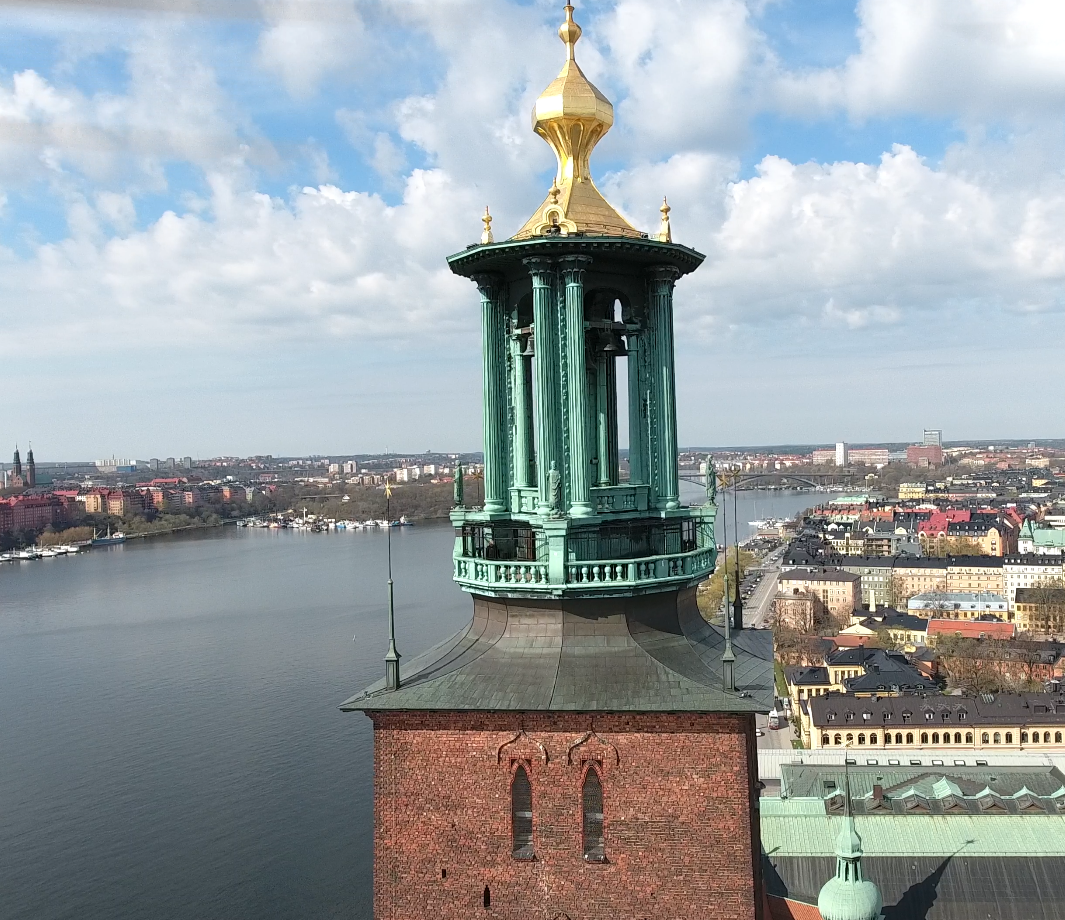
(681, 835)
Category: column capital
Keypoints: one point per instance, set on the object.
(665, 273)
(574, 267)
(488, 283)
(539, 266)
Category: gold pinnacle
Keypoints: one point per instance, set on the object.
(487, 237)
(665, 234)
(569, 32)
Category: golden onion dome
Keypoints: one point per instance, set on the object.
(573, 116)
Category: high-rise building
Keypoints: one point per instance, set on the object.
(565, 753)
(933, 437)
(841, 453)
(186, 462)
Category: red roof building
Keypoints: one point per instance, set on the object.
(971, 629)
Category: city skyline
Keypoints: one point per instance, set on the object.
(231, 229)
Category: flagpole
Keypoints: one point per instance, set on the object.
(392, 658)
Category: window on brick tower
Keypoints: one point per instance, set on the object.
(592, 801)
(521, 814)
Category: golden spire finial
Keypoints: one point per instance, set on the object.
(664, 233)
(572, 116)
(487, 237)
(569, 32)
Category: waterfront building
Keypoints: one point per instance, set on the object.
(31, 512)
(566, 752)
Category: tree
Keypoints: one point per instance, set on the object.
(900, 591)
(1048, 598)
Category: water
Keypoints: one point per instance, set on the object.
(753, 505)
(170, 744)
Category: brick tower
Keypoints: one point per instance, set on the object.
(585, 748)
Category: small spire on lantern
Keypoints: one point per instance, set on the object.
(569, 32)
(664, 233)
(487, 237)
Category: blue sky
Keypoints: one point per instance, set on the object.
(223, 224)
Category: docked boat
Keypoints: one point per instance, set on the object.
(112, 539)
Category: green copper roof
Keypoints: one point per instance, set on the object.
(792, 832)
(628, 655)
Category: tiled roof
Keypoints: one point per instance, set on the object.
(787, 909)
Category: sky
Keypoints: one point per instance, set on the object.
(224, 223)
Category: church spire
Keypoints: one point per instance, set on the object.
(848, 895)
(572, 115)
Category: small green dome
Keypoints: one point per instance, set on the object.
(848, 895)
(849, 900)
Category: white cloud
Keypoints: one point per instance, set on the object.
(172, 110)
(303, 47)
(685, 67)
(953, 58)
(328, 263)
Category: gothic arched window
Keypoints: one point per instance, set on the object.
(521, 815)
(592, 808)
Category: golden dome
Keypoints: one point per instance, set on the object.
(572, 116)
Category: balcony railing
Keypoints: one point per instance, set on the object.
(579, 577)
(490, 572)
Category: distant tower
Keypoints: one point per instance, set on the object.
(31, 469)
(18, 464)
(848, 895)
(841, 454)
(566, 753)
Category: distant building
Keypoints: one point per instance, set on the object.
(1002, 721)
(31, 469)
(1028, 571)
(31, 512)
(1040, 610)
(909, 491)
(958, 605)
(831, 591)
(969, 629)
(933, 437)
(153, 464)
(866, 456)
(186, 462)
(841, 454)
(1042, 541)
(924, 455)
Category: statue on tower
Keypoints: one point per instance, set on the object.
(459, 496)
(554, 483)
(711, 481)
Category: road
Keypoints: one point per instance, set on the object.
(758, 606)
(775, 739)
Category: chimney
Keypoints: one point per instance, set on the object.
(878, 793)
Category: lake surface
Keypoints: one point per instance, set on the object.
(170, 743)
